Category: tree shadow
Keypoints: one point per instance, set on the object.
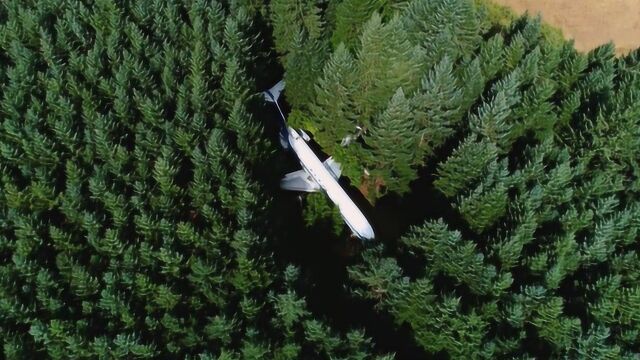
(324, 256)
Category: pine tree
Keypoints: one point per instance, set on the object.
(132, 210)
(544, 208)
(386, 61)
(351, 15)
(393, 143)
(137, 215)
(439, 106)
(299, 29)
(443, 28)
(332, 112)
(386, 41)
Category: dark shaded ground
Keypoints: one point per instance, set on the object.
(323, 257)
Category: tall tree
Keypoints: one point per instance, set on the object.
(393, 143)
(133, 206)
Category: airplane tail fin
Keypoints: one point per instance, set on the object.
(273, 94)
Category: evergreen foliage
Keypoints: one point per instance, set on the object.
(370, 62)
(133, 220)
(392, 154)
(137, 211)
(534, 150)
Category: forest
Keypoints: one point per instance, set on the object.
(141, 214)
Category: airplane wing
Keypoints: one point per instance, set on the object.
(333, 167)
(299, 181)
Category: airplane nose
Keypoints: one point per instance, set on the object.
(368, 233)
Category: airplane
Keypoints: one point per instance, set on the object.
(316, 175)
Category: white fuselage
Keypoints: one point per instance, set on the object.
(352, 215)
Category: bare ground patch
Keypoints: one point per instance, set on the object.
(589, 22)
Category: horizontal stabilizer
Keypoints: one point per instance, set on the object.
(299, 181)
(273, 94)
(333, 167)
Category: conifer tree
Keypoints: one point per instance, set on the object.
(137, 220)
(132, 213)
(536, 255)
(332, 112)
(299, 30)
(385, 42)
(386, 61)
(393, 142)
(351, 15)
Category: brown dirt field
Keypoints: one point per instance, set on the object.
(589, 22)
